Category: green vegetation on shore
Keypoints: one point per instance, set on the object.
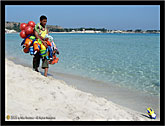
(16, 26)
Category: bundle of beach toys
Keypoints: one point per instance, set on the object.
(32, 46)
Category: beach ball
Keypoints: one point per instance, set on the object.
(23, 34)
(23, 26)
(31, 23)
(28, 30)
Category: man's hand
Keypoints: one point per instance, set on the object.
(46, 39)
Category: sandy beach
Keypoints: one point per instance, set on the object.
(31, 96)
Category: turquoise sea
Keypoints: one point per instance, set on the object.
(126, 60)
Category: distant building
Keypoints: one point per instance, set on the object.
(73, 30)
(89, 31)
(97, 31)
(10, 31)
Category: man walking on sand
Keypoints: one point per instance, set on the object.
(40, 31)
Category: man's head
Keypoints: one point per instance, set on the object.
(43, 20)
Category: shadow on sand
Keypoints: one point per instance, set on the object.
(145, 116)
(42, 73)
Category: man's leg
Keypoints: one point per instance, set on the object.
(46, 71)
(36, 61)
(45, 65)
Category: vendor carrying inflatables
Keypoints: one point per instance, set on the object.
(37, 42)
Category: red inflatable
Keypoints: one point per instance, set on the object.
(23, 26)
(23, 34)
(31, 23)
(28, 30)
(55, 60)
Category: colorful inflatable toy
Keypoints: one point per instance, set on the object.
(43, 51)
(37, 46)
(31, 50)
(31, 23)
(28, 42)
(29, 30)
(151, 113)
(26, 50)
(23, 34)
(55, 60)
(23, 26)
(32, 45)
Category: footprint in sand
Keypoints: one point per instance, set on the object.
(40, 99)
(76, 118)
(53, 94)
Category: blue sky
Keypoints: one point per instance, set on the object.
(112, 17)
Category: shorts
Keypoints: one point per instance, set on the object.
(45, 63)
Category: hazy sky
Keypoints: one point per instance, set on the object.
(112, 17)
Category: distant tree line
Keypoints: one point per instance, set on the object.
(15, 27)
(148, 31)
(152, 31)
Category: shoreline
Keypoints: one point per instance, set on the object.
(115, 32)
(67, 92)
(110, 32)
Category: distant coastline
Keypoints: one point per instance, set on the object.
(13, 27)
(122, 32)
(111, 31)
(115, 31)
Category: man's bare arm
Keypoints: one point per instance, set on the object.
(39, 37)
(47, 31)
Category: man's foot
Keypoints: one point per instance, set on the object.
(36, 70)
